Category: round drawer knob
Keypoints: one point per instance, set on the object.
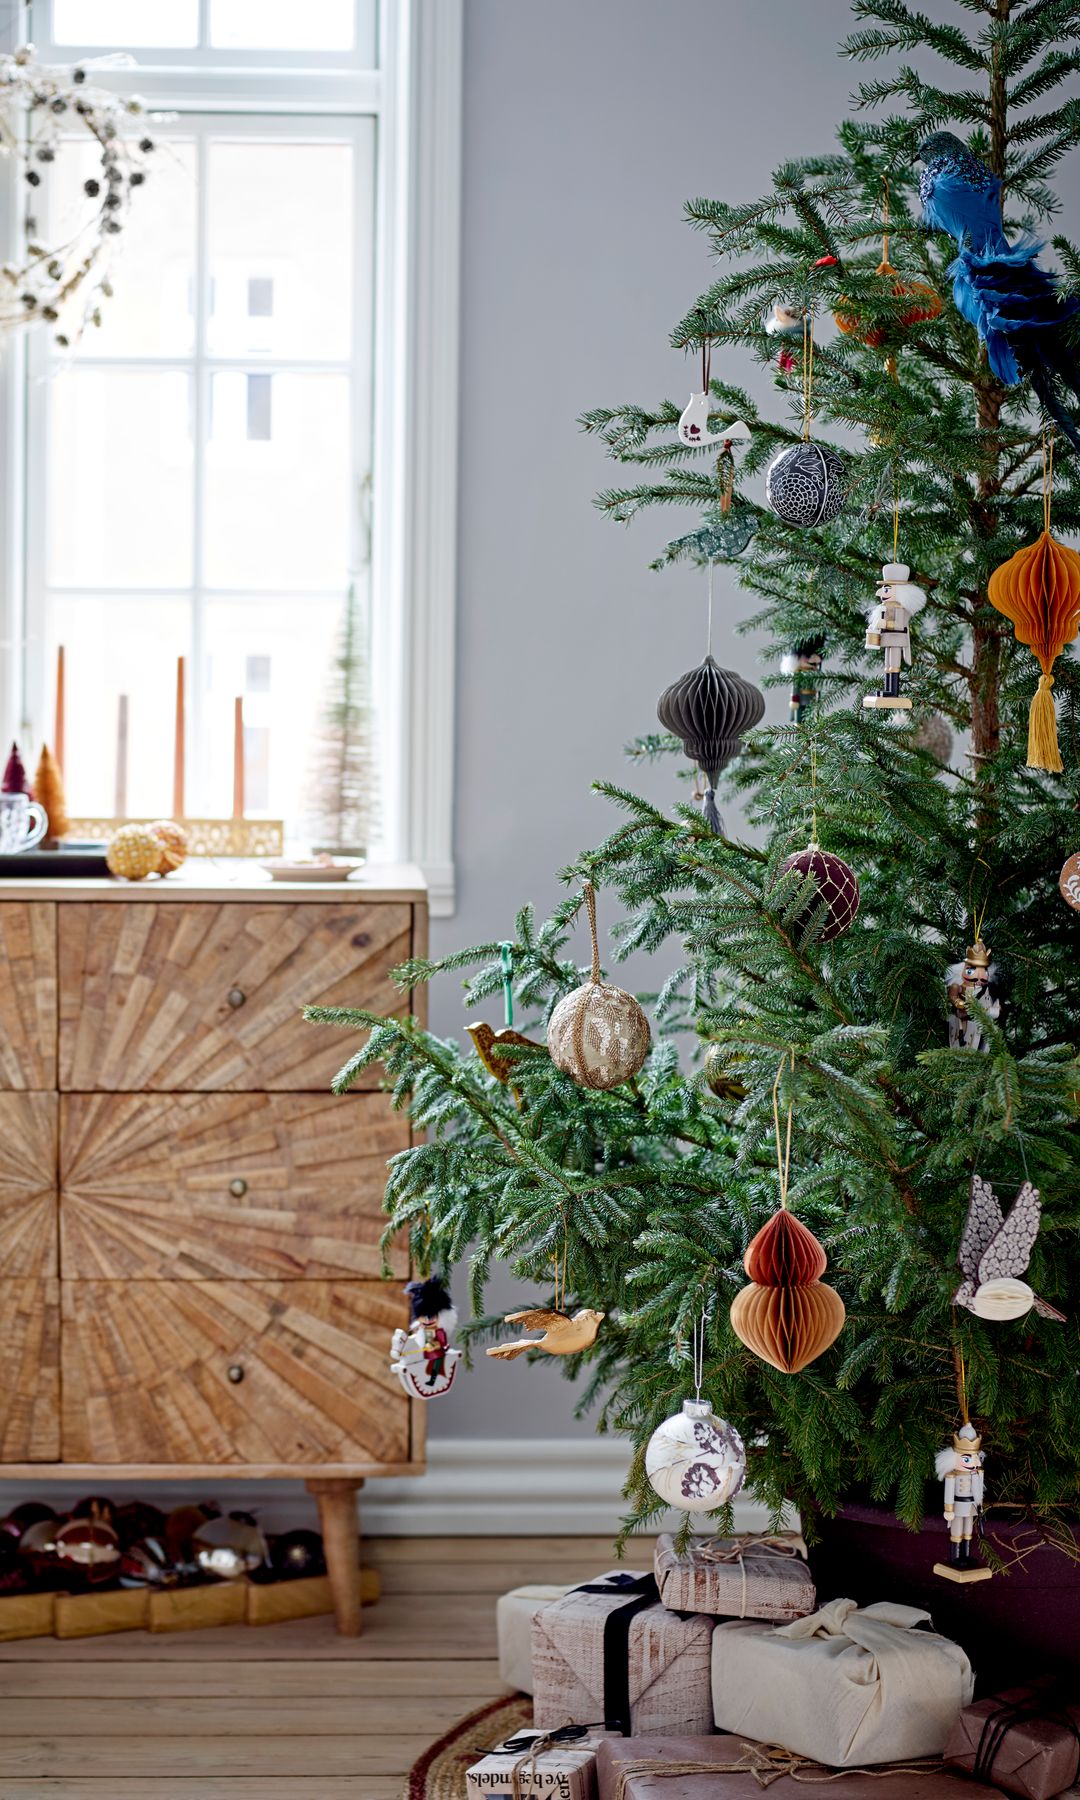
(235, 1372)
(236, 997)
(238, 1187)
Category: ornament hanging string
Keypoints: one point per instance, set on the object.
(895, 511)
(808, 374)
(590, 907)
(506, 954)
(559, 1260)
(1048, 475)
(708, 584)
(706, 364)
(698, 1353)
(783, 1145)
(885, 265)
(813, 792)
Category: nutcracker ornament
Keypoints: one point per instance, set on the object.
(424, 1360)
(976, 978)
(960, 1467)
(889, 629)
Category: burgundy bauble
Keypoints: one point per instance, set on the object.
(837, 885)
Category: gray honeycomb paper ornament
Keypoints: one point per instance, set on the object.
(709, 709)
(805, 484)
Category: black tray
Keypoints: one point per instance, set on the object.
(43, 865)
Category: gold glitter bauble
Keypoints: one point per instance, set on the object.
(133, 852)
(173, 842)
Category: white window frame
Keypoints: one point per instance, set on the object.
(415, 98)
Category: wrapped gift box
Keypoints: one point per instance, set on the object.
(513, 1625)
(846, 1686)
(728, 1768)
(1026, 1741)
(748, 1577)
(610, 1652)
(522, 1766)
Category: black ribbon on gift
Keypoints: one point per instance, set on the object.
(1047, 1704)
(641, 1591)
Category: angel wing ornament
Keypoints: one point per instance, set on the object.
(995, 1251)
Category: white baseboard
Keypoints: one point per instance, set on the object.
(474, 1487)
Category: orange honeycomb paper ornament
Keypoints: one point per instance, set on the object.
(1038, 590)
(786, 1315)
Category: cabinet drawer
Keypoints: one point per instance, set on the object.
(248, 1372)
(30, 1371)
(203, 1187)
(201, 995)
(28, 1185)
(27, 994)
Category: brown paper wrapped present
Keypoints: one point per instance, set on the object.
(1026, 1741)
(610, 1652)
(561, 1765)
(732, 1768)
(749, 1577)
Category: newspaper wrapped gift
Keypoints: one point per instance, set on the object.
(749, 1577)
(610, 1651)
(846, 1686)
(560, 1765)
(513, 1626)
(1026, 1741)
(729, 1768)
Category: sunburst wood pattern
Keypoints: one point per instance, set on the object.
(28, 1235)
(27, 994)
(167, 995)
(146, 1373)
(30, 1371)
(149, 1185)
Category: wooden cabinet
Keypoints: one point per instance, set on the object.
(189, 1219)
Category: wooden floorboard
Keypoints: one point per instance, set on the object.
(279, 1712)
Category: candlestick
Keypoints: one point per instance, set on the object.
(120, 807)
(58, 730)
(238, 757)
(178, 751)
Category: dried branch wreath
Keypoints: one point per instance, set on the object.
(44, 111)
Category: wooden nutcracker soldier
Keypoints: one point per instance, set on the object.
(960, 1467)
(888, 629)
(973, 979)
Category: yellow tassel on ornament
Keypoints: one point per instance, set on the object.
(1043, 751)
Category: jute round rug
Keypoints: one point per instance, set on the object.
(440, 1773)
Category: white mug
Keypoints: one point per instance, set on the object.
(23, 823)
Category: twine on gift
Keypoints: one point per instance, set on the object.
(712, 1551)
(1046, 1706)
(567, 1734)
(766, 1763)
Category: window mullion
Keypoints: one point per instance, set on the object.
(196, 712)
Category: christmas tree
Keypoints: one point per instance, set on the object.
(343, 785)
(642, 1200)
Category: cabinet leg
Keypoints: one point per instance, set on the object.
(340, 1526)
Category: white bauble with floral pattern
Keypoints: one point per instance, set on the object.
(694, 1460)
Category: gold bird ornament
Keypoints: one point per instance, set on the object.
(563, 1335)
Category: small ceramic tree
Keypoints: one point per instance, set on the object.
(49, 792)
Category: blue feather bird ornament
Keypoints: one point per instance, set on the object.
(999, 287)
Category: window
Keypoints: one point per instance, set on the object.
(244, 435)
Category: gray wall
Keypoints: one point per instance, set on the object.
(588, 123)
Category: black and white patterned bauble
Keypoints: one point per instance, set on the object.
(694, 1460)
(837, 885)
(805, 485)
